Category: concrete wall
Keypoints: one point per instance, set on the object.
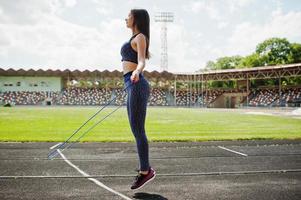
(229, 100)
(30, 83)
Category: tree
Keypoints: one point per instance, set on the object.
(296, 53)
(252, 60)
(210, 65)
(274, 51)
(228, 62)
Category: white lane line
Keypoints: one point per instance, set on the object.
(161, 175)
(92, 179)
(55, 145)
(232, 151)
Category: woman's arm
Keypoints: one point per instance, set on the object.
(141, 51)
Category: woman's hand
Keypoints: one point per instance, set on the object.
(135, 76)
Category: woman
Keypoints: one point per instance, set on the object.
(134, 52)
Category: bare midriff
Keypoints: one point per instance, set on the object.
(128, 66)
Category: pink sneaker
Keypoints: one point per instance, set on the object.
(141, 179)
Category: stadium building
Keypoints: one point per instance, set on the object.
(48, 87)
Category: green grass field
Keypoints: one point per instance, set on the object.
(162, 124)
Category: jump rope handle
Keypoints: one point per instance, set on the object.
(131, 84)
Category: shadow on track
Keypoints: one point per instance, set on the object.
(147, 196)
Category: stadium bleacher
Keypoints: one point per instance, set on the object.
(158, 97)
(79, 96)
(272, 97)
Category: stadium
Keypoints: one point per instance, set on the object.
(39, 87)
(189, 121)
(215, 112)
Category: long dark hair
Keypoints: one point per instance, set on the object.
(141, 20)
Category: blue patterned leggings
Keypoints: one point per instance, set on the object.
(137, 97)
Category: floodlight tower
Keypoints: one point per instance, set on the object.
(164, 17)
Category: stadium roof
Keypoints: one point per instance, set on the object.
(227, 74)
(262, 68)
(77, 73)
(266, 72)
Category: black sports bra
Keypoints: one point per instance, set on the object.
(128, 53)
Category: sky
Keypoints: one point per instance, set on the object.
(88, 34)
